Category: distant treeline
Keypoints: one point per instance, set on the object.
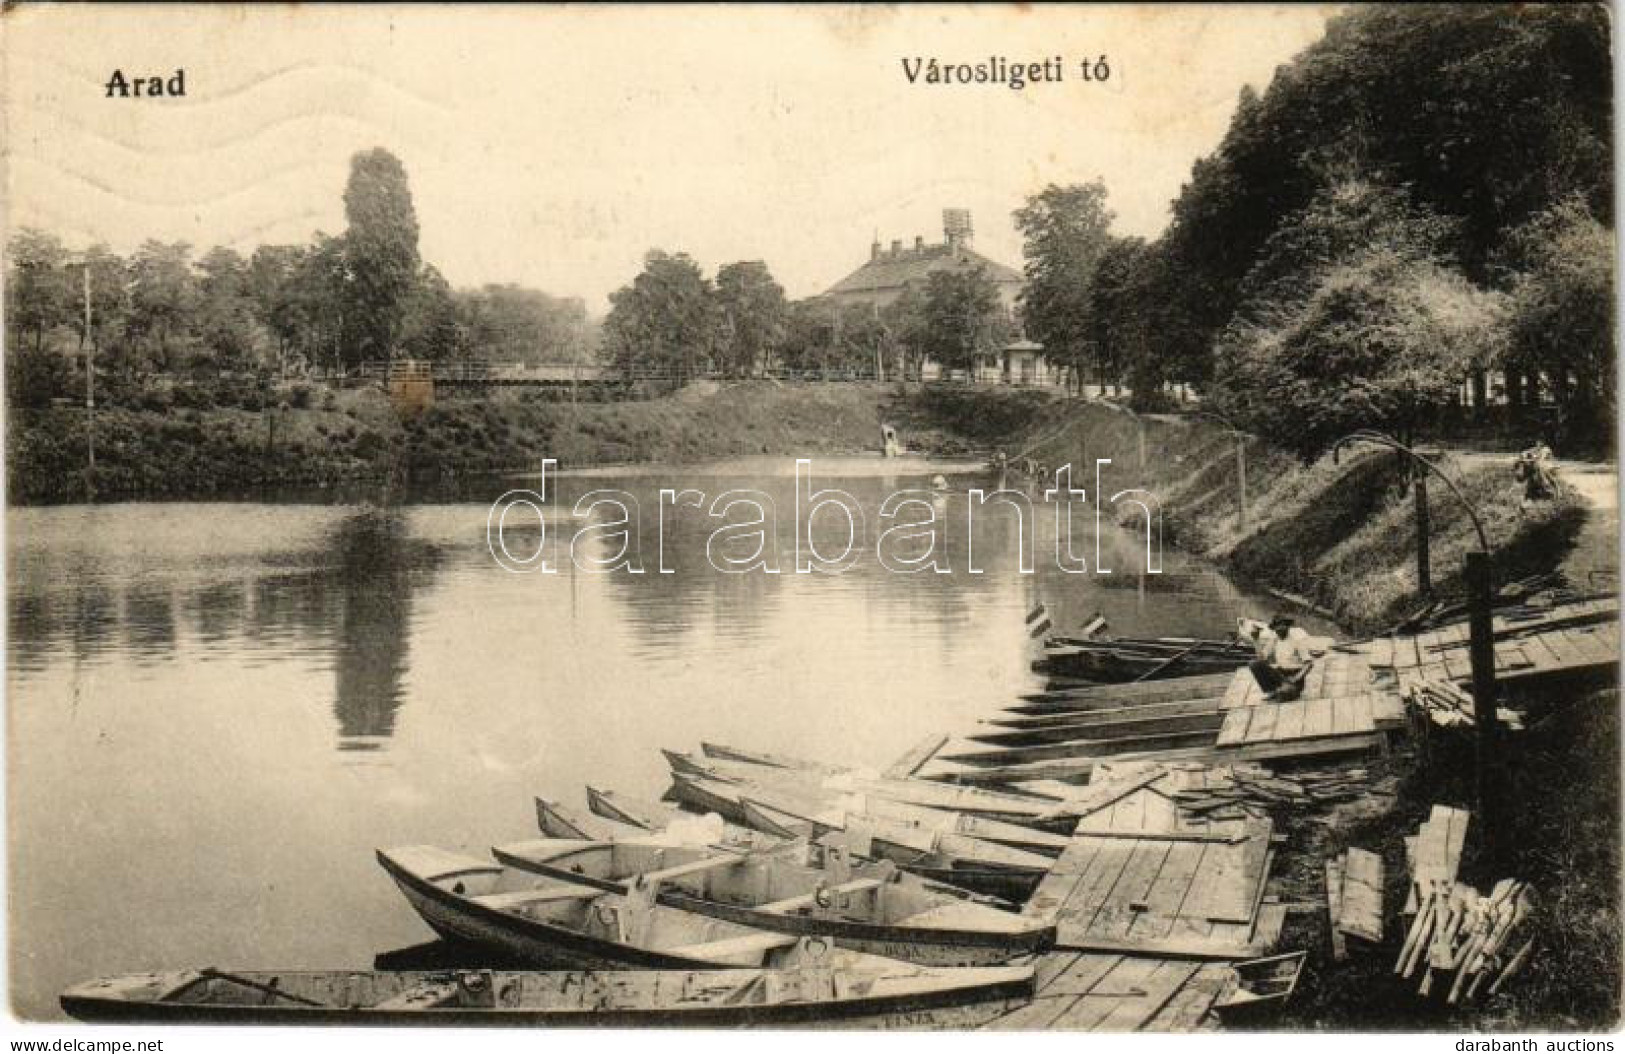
(674, 320)
(284, 309)
(1423, 195)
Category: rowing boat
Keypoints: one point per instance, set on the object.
(557, 820)
(550, 923)
(888, 994)
(803, 890)
(806, 799)
(1030, 810)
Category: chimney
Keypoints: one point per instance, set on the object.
(896, 246)
(956, 228)
(874, 249)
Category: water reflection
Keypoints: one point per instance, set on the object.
(260, 695)
(378, 567)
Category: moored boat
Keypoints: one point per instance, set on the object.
(552, 923)
(1028, 810)
(886, 994)
(804, 890)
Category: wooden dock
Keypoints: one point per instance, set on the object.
(1163, 887)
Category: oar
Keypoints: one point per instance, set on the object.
(1167, 663)
(210, 972)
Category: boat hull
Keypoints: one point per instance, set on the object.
(946, 1002)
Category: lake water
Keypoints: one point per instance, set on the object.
(217, 711)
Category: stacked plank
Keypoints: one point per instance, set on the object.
(1460, 938)
(1250, 790)
(1354, 898)
(1449, 706)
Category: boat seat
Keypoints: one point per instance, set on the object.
(519, 898)
(792, 903)
(732, 946)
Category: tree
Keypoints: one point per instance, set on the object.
(432, 327)
(163, 297)
(380, 255)
(39, 296)
(962, 319)
(665, 320)
(230, 337)
(508, 323)
(1561, 314)
(1066, 230)
(1486, 114)
(1382, 341)
(751, 308)
(1114, 328)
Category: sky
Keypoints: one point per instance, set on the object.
(555, 146)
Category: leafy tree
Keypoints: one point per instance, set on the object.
(751, 308)
(508, 323)
(1113, 317)
(665, 320)
(1383, 340)
(230, 337)
(39, 296)
(1066, 231)
(163, 297)
(380, 255)
(433, 327)
(1487, 114)
(1561, 316)
(962, 318)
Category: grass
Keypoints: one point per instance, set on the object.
(1560, 831)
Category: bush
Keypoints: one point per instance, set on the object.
(299, 396)
(36, 377)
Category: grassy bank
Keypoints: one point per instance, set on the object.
(1339, 533)
(164, 450)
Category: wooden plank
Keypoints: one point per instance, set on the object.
(916, 757)
(1128, 979)
(1234, 729)
(1265, 716)
(1066, 987)
(1361, 913)
(1230, 892)
(1168, 893)
(1387, 708)
(1289, 721)
(1241, 684)
(1334, 906)
(1317, 718)
(1128, 897)
(1190, 1008)
(1165, 979)
(1077, 913)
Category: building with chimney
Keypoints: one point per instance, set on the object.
(888, 272)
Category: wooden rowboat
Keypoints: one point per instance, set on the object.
(557, 820)
(983, 867)
(887, 994)
(556, 924)
(1029, 810)
(803, 890)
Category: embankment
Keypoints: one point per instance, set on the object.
(168, 450)
(1338, 533)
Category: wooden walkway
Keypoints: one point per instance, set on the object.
(1141, 876)
(1347, 715)
(1080, 991)
(1566, 639)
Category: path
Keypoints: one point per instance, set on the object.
(1593, 564)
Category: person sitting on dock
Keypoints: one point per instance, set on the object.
(1283, 656)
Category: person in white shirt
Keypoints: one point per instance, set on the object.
(1284, 655)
